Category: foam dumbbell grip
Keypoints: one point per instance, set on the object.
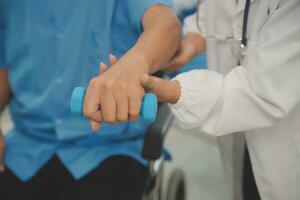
(148, 108)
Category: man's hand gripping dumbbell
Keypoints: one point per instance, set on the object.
(118, 99)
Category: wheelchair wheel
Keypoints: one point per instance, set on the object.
(176, 186)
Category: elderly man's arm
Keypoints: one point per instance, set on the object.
(5, 94)
(160, 39)
(118, 91)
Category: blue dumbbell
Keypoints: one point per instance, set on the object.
(148, 108)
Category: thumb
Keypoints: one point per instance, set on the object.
(150, 83)
(167, 91)
(1, 152)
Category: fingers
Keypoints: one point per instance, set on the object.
(167, 91)
(185, 54)
(95, 125)
(122, 107)
(92, 101)
(2, 168)
(103, 68)
(108, 106)
(115, 95)
(134, 108)
(175, 64)
(108, 103)
(91, 105)
(112, 59)
(151, 83)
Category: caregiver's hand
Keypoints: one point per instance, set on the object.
(192, 45)
(1, 152)
(167, 91)
(118, 92)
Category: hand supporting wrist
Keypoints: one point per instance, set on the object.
(197, 41)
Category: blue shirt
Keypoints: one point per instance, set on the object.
(49, 47)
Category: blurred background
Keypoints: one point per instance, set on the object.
(197, 155)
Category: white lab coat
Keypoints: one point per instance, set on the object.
(261, 96)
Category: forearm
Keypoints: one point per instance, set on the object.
(219, 105)
(160, 39)
(5, 91)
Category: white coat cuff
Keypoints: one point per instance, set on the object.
(200, 90)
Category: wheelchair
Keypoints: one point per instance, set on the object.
(154, 153)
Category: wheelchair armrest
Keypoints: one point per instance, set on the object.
(154, 138)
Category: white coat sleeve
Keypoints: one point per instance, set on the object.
(256, 95)
(190, 22)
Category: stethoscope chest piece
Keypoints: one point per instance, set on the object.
(238, 49)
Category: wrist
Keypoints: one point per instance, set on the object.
(138, 61)
(144, 63)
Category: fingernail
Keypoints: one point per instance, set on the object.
(111, 56)
(95, 127)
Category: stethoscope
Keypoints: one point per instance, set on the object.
(242, 43)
